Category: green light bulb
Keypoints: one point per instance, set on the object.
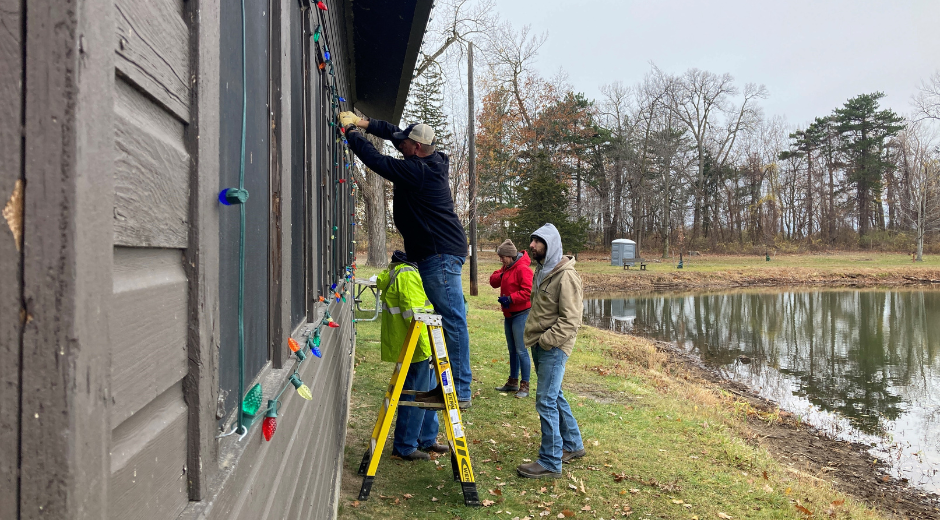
(252, 400)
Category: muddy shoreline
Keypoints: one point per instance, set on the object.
(801, 448)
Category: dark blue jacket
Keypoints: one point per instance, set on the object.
(423, 208)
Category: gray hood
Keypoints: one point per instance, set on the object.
(553, 252)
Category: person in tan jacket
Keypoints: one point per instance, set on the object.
(550, 331)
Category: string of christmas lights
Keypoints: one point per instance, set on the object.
(250, 409)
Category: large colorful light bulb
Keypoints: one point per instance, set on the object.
(269, 426)
(293, 345)
(314, 343)
(302, 389)
(252, 401)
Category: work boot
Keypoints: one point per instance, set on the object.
(436, 448)
(523, 390)
(535, 470)
(512, 384)
(568, 456)
(416, 455)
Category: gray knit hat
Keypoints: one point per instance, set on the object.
(507, 248)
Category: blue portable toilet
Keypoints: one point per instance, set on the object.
(620, 249)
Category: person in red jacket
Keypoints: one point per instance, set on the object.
(514, 280)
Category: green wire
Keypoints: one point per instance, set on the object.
(241, 232)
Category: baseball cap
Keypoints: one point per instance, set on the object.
(418, 132)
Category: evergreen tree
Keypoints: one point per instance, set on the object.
(544, 200)
(426, 105)
(864, 132)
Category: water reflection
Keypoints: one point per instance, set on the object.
(862, 364)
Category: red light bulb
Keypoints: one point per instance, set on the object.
(321, 6)
(269, 425)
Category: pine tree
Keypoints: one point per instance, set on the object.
(426, 105)
(544, 200)
(864, 133)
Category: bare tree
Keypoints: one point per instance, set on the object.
(458, 20)
(920, 165)
(373, 188)
(702, 101)
(512, 53)
(927, 100)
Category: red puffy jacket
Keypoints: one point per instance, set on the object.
(515, 282)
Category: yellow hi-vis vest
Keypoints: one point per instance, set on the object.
(402, 296)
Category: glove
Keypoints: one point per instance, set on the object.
(505, 301)
(347, 118)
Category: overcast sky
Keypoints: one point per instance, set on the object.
(811, 55)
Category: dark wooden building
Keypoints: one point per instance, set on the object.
(120, 123)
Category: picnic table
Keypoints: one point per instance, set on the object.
(361, 286)
(627, 262)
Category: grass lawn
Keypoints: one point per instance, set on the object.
(659, 443)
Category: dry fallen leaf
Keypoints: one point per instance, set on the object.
(803, 510)
(496, 492)
(838, 502)
(488, 503)
(619, 477)
(724, 516)
(565, 513)
(634, 490)
(355, 503)
(677, 502)
(408, 495)
(586, 508)
(768, 489)
(542, 490)
(433, 499)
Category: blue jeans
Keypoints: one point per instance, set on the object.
(518, 354)
(415, 427)
(440, 275)
(559, 427)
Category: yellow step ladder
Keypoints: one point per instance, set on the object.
(459, 452)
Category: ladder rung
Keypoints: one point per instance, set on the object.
(428, 406)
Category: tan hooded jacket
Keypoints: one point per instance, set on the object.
(557, 307)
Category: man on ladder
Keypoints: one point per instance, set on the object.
(401, 293)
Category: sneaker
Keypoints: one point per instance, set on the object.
(568, 456)
(523, 390)
(512, 384)
(436, 448)
(415, 455)
(535, 470)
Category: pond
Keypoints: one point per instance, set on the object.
(861, 365)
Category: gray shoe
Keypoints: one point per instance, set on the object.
(568, 456)
(535, 470)
(523, 390)
(416, 455)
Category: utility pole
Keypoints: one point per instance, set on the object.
(472, 165)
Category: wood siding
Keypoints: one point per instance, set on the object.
(149, 309)
(113, 247)
(11, 229)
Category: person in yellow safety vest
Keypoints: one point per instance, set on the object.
(402, 294)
